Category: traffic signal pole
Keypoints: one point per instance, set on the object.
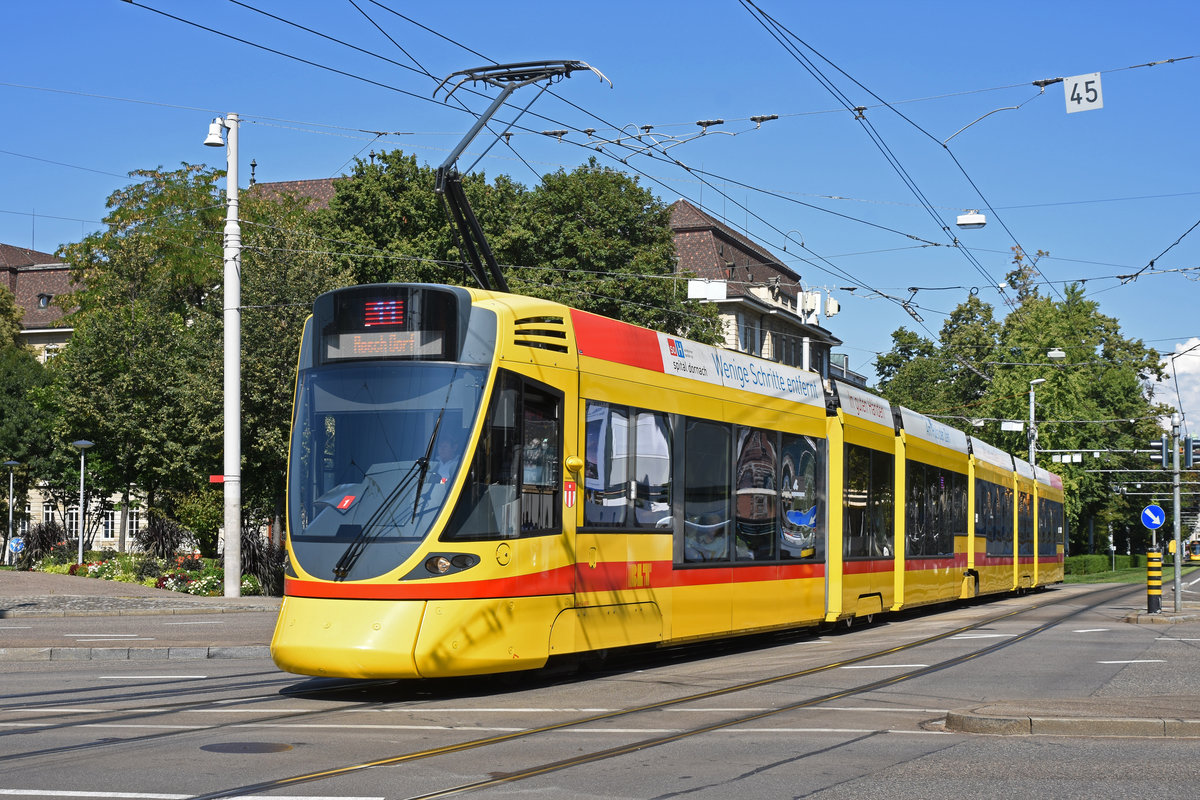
(1175, 499)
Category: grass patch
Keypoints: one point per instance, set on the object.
(1127, 575)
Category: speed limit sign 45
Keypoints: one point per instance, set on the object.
(1083, 92)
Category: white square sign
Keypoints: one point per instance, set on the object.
(1083, 92)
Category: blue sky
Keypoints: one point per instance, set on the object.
(95, 89)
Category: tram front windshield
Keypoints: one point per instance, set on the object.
(375, 450)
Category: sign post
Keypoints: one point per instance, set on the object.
(1153, 518)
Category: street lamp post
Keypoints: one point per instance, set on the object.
(1033, 423)
(11, 465)
(232, 483)
(83, 445)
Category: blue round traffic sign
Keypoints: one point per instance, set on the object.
(16, 544)
(1153, 517)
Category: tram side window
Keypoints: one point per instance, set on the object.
(869, 499)
(1050, 526)
(539, 462)
(802, 481)
(993, 516)
(1025, 524)
(652, 471)
(706, 491)
(606, 466)
(627, 478)
(513, 487)
(756, 490)
(935, 511)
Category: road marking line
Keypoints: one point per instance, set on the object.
(982, 636)
(93, 635)
(1091, 630)
(886, 666)
(159, 796)
(1136, 661)
(149, 677)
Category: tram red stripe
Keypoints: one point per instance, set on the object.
(925, 564)
(620, 342)
(536, 584)
(611, 576)
(866, 567)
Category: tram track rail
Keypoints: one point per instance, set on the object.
(1093, 599)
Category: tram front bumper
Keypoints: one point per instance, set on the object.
(347, 638)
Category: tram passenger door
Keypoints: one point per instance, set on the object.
(623, 549)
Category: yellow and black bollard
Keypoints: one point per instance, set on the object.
(1153, 582)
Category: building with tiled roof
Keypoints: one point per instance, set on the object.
(35, 279)
(760, 299)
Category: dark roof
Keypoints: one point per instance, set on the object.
(30, 275)
(712, 249)
(318, 191)
(11, 256)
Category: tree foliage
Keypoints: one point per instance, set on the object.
(142, 375)
(592, 238)
(1100, 397)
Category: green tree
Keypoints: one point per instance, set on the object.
(1098, 398)
(133, 378)
(285, 265)
(389, 215)
(10, 319)
(24, 433)
(592, 238)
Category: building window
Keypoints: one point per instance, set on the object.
(108, 524)
(751, 340)
(134, 523)
(49, 512)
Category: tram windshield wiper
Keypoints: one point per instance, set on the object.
(423, 462)
(371, 527)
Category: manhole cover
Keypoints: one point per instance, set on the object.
(247, 747)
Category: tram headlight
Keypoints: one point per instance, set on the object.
(439, 565)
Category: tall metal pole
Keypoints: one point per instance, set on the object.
(83, 445)
(10, 465)
(82, 467)
(1033, 423)
(1032, 429)
(1178, 532)
(233, 368)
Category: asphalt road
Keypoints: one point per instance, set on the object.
(180, 728)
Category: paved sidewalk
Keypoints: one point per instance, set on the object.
(43, 594)
(27, 597)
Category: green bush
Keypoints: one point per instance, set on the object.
(1087, 565)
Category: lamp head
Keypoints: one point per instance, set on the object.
(1037, 381)
(972, 220)
(1057, 354)
(214, 138)
(11, 464)
(82, 444)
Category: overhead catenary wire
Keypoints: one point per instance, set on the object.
(709, 184)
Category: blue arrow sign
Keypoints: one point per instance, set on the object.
(16, 545)
(1153, 517)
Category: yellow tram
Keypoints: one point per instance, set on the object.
(480, 481)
